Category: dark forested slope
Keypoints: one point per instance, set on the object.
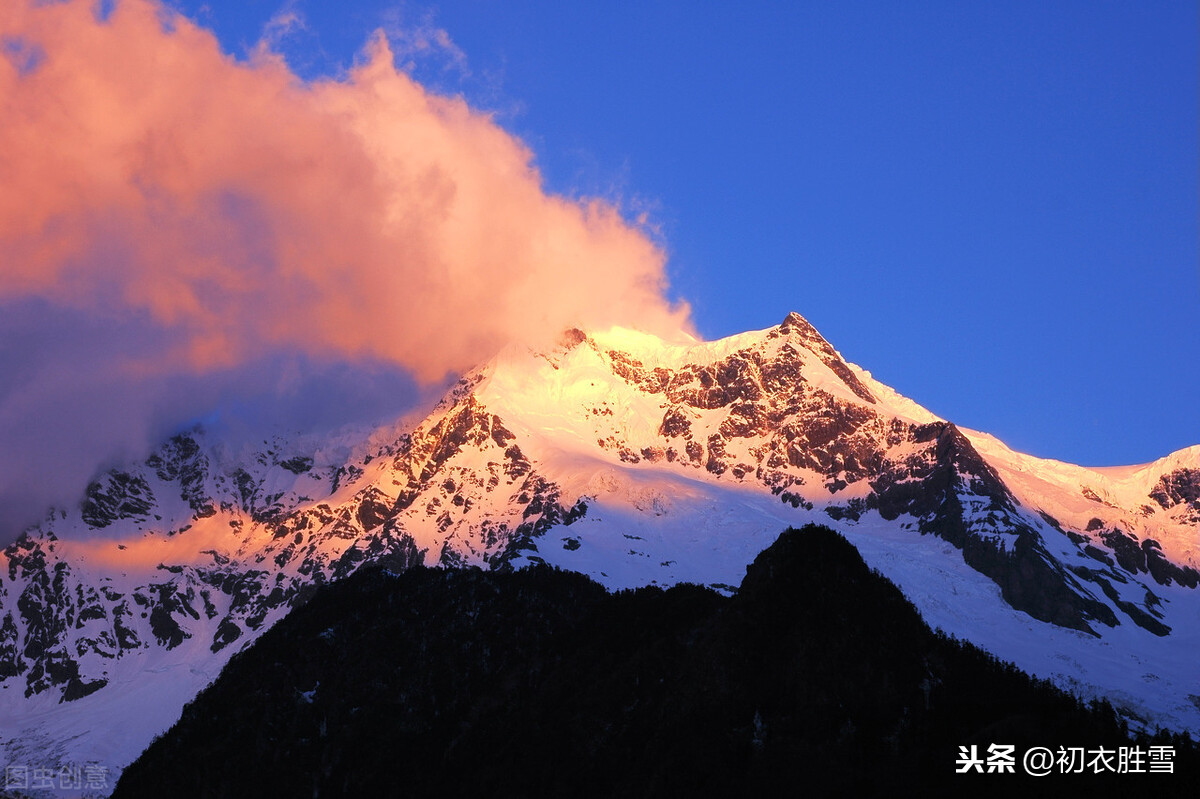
(817, 674)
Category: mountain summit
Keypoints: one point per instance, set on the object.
(633, 460)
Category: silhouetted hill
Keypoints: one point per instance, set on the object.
(816, 677)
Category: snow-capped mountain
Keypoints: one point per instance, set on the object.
(622, 456)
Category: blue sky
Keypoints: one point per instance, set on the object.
(993, 207)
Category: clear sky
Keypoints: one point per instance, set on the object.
(991, 206)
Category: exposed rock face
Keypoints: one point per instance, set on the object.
(119, 496)
(1181, 487)
(182, 462)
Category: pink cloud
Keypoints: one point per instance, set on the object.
(252, 212)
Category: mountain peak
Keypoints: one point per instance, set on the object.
(795, 326)
(793, 320)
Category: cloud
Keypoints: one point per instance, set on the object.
(282, 24)
(412, 41)
(146, 170)
(185, 218)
